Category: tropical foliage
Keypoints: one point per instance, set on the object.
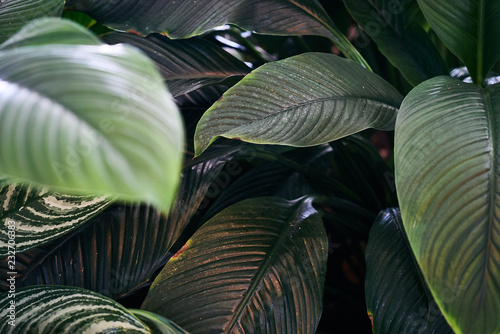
(249, 166)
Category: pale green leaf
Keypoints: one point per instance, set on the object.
(89, 119)
(447, 150)
(304, 100)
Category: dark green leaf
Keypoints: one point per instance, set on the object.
(119, 249)
(182, 19)
(447, 177)
(87, 118)
(14, 14)
(304, 100)
(36, 216)
(402, 41)
(358, 165)
(396, 293)
(257, 266)
(62, 309)
(470, 29)
(186, 65)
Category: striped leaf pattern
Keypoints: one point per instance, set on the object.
(258, 266)
(186, 65)
(38, 216)
(120, 248)
(447, 149)
(16, 13)
(182, 19)
(60, 309)
(304, 100)
(85, 119)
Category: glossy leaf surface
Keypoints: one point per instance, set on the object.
(182, 19)
(447, 150)
(257, 266)
(304, 100)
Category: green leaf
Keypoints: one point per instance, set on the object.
(47, 32)
(396, 293)
(304, 100)
(447, 177)
(258, 266)
(16, 13)
(103, 254)
(183, 19)
(88, 118)
(60, 309)
(37, 216)
(158, 324)
(402, 41)
(186, 65)
(470, 29)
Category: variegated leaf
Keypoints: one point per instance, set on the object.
(60, 309)
(32, 216)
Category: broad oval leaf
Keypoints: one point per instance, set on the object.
(447, 150)
(396, 293)
(403, 42)
(182, 19)
(61, 309)
(36, 216)
(119, 249)
(16, 13)
(186, 65)
(89, 119)
(304, 100)
(470, 29)
(258, 266)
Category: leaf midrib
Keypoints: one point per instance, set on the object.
(298, 105)
(493, 135)
(266, 264)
